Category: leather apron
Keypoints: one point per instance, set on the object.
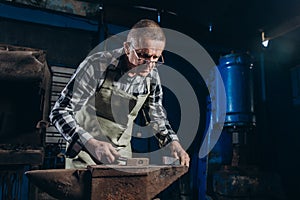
(109, 117)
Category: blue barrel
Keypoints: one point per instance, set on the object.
(237, 74)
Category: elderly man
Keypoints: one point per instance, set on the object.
(96, 110)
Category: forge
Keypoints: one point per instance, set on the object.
(25, 82)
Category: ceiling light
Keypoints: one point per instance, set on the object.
(264, 40)
(265, 43)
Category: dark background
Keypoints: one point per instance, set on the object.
(236, 26)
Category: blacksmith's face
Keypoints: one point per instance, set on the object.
(144, 56)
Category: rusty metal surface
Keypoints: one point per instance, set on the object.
(72, 184)
(246, 182)
(20, 63)
(107, 182)
(21, 155)
(81, 8)
(25, 79)
(132, 183)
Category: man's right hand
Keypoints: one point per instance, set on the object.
(102, 151)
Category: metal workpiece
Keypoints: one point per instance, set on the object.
(112, 182)
(133, 161)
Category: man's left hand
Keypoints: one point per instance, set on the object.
(178, 152)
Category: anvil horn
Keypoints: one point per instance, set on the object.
(62, 183)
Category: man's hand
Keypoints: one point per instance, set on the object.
(102, 151)
(178, 152)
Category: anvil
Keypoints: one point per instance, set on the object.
(109, 182)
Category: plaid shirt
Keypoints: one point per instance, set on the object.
(88, 78)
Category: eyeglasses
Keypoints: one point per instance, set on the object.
(145, 58)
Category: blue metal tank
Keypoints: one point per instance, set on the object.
(237, 74)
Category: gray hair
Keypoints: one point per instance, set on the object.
(146, 28)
